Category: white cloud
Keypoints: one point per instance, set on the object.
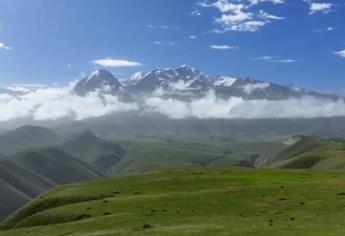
(323, 7)
(109, 62)
(192, 36)
(273, 59)
(249, 88)
(263, 58)
(5, 47)
(328, 29)
(285, 60)
(164, 43)
(57, 103)
(222, 47)
(164, 27)
(254, 2)
(234, 108)
(196, 13)
(237, 15)
(340, 53)
(265, 16)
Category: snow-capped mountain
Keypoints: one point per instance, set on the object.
(187, 82)
(101, 80)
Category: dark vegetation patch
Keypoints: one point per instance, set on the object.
(304, 162)
(147, 226)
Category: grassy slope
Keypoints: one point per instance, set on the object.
(25, 175)
(18, 186)
(184, 151)
(89, 148)
(56, 165)
(192, 202)
(27, 137)
(308, 152)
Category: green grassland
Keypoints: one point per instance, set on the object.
(312, 153)
(195, 201)
(182, 151)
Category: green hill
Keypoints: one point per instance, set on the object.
(195, 201)
(27, 137)
(183, 151)
(25, 175)
(91, 149)
(313, 153)
(56, 165)
(18, 186)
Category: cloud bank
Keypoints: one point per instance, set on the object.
(59, 103)
(237, 108)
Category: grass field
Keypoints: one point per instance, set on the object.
(182, 151)
(194, 201)
(312, 153)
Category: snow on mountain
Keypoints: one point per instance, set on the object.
(100, 80)
(224, 81)
(186, 81)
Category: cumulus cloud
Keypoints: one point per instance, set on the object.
(5, 47)
(323, 7)
(319, 7)
(238, 15)
(109, 62)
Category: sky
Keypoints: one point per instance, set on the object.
(299, 42)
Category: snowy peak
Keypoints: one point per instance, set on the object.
(101, 74)
(100, 80)
(186, 73)
(186, 82)
(182, 78)
(224, 81)
(137, 76)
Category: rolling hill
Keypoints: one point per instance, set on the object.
(313, 153)
(25, 175)
(96, 151)
(195, 201)
(196, 151)
(27, 137)
(18, 186)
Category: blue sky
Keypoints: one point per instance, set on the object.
(285, 41)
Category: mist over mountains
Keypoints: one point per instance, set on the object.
(178, 93)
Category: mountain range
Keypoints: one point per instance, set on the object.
(186, 82)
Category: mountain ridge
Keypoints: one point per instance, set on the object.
(187, 82)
